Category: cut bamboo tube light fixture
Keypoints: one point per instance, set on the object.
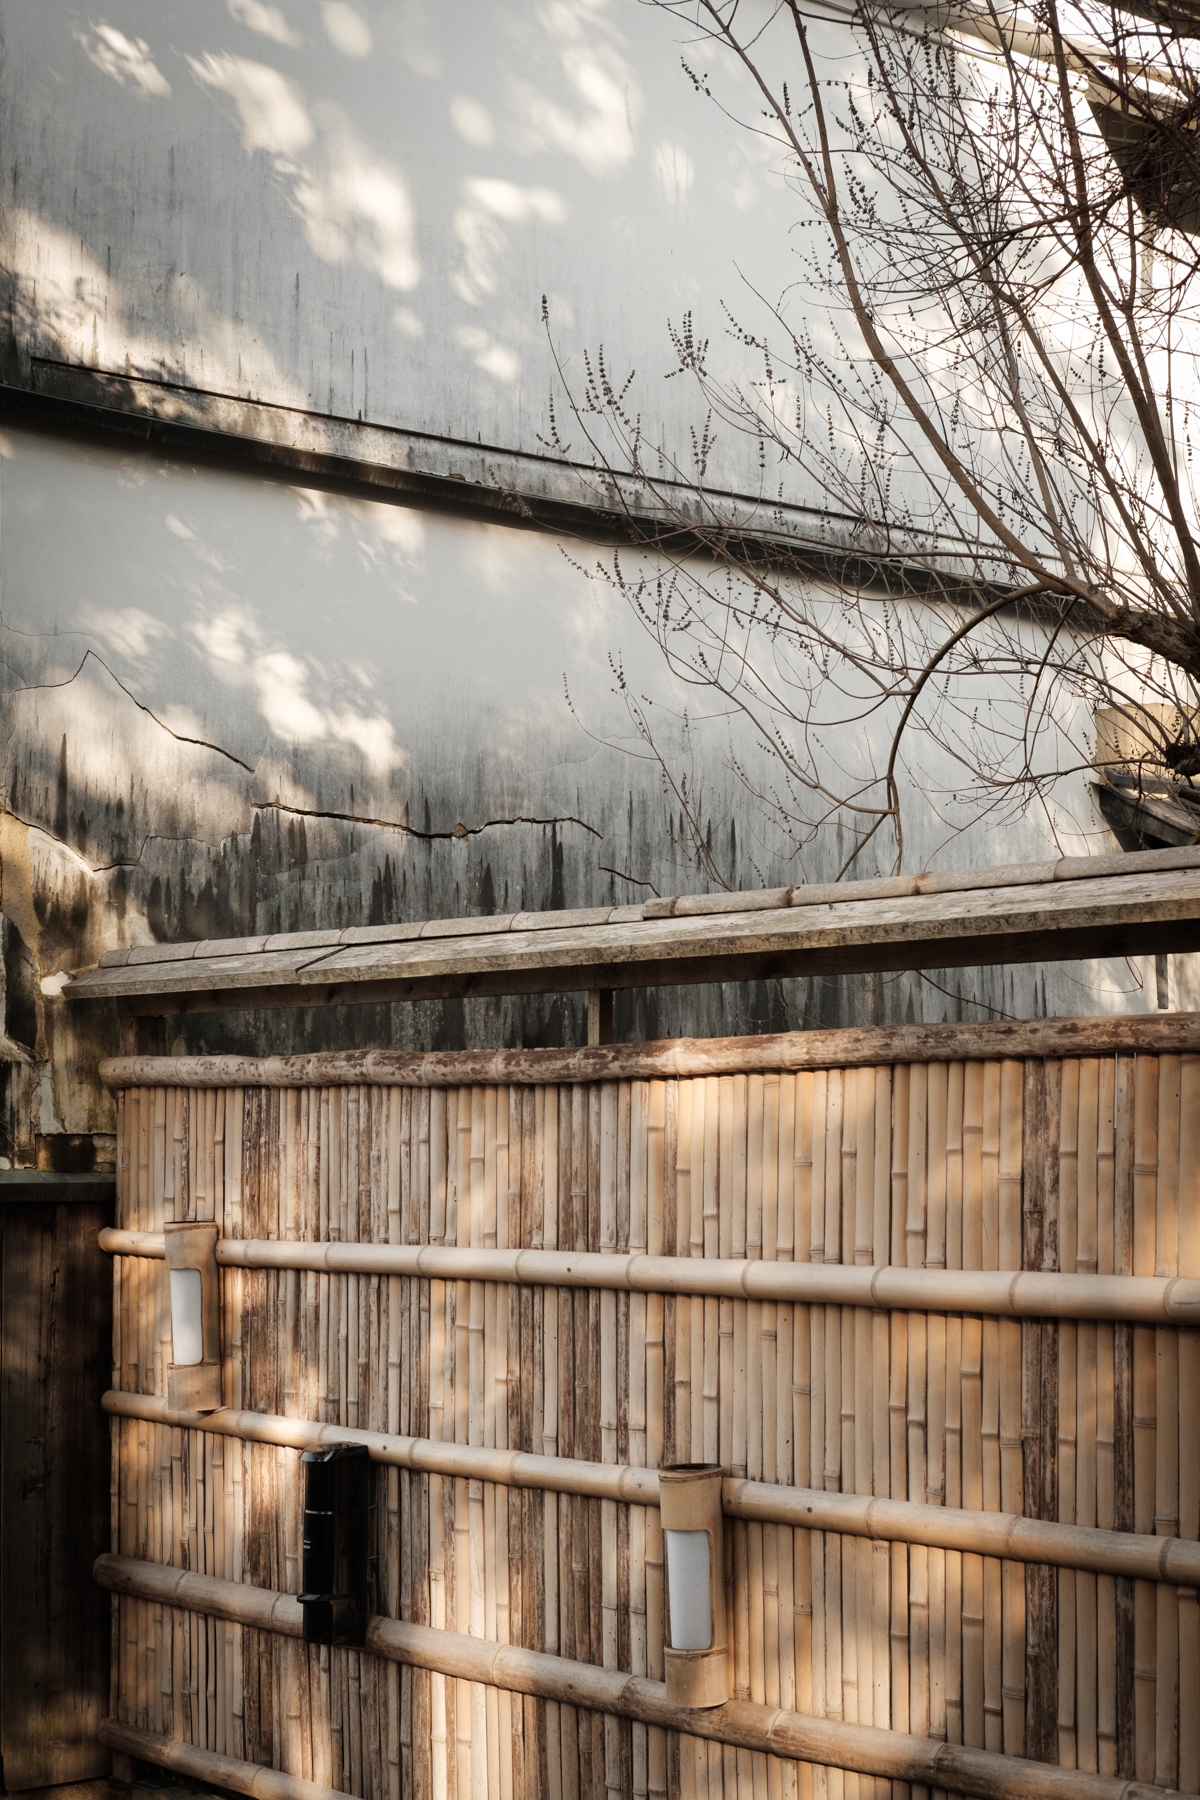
(1010, 1536)
(1146, 1299)
(867, 1749)
(697, 1661)
(194, 1374)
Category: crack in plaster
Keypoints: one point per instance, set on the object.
(34, 687)
(305, 812)
(458, 831)
(634, 880)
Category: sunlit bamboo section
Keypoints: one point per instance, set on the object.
(1085, 1165)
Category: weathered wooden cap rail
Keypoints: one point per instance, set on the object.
(872, 1046)
(1074, 907)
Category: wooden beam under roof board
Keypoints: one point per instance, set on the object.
(1146, 903)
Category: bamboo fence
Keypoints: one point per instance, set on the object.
(1083, 1165)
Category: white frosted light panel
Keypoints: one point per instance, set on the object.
(689, 1584)
(187, 1338)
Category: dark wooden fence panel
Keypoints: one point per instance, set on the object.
(55, 1625)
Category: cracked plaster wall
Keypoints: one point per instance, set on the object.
(361, 220)
(203, 670)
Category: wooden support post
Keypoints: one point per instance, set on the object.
(600, 1016)
(141, 1034)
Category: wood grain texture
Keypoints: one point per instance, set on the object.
(55, 1630)
(1101, 913)
(1177, 1033)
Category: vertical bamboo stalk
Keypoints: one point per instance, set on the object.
(638, 1388)
(972, 1406)
(1012, 1574)
(739, 1451)
(756, 1177)
(915, 1235)
(937, 1165)
(993, 1642)
(952, 1400)
(784, 1555)
(438, 1350)
(1189, 1422)
(1166, 1408)
(1106, 1592)
(1145, 1200)
(1068, 1217)
(609, 1406)
(1087, 1743)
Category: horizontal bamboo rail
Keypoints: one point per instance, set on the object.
(1151, 1035)
(207, 1766)
(1174, 1561)
(1145, 1299)
(743, 1724)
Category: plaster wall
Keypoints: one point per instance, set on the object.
(235, 705)
(357, 209)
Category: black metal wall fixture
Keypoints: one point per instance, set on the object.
(336, 1567)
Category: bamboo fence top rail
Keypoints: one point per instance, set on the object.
(1012, 1536)
(1006, 1294)
(1077, 906)
(1153, 1034)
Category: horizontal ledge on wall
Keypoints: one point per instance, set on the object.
(1034, 1294)
(744, 1724)
(499, 484)
(1170, 1560)
(867, 1047)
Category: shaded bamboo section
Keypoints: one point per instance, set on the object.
(1085, 1164)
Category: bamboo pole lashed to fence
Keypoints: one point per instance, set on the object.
(1000, 1294)
(765, 1729)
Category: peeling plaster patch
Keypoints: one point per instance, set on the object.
(17, 883)
(53, 985)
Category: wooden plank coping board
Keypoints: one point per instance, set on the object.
(1139, 910)
(873, 1046)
